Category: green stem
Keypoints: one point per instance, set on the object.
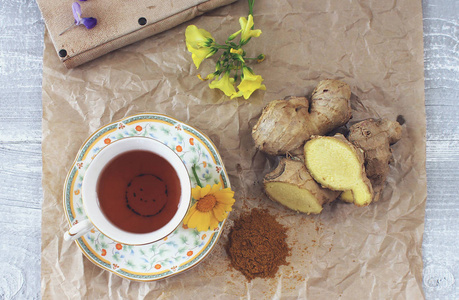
(251, 2)
(193, 168)
(218, 46)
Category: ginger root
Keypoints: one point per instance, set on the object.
(374, 137)
(285, 125)
(337, 164)
(291, 185)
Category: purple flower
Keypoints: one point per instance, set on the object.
(87, 22)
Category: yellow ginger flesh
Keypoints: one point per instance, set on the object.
(293, 197)
(337, 165)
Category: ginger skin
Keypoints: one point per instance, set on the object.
(291, 185)
(337, 164)
(374, 137)
(285, 125)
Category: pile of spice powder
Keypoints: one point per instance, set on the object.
(256, 244)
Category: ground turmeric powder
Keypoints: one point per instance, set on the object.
(257, 244)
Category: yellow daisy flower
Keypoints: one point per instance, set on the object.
(224, 84)
(249, 84)
(246, 27)
(212, 206)
(199, 42)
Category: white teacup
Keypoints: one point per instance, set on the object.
(96, 217)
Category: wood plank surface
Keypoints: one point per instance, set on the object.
(441, 64)
(21, 46)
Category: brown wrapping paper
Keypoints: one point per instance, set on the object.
(346, 252)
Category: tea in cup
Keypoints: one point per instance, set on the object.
(135, 191)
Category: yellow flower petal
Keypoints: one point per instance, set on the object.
(199, 42)
(222, 198)
(249, 84)
(189, 214)
(198, 55)
(246, 27)
(219, 212)
(227, 191)
(195, 219)
(204, 221)
(216, 188)
(225, 84)
(196, 192)
(213, 223)
(197, 38)
(205, 190)
(238, 51)
(210, 219)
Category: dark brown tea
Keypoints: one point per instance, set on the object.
(138, 191)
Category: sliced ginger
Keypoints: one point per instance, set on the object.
(285, 125)
(291, 185)
(338, 165)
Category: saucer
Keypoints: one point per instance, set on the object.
(184, 247)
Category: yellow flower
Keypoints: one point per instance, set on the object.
(212, 206)
(225, 84)
(261, 58)
(209, 76)
(199, 42)
(247, 32)
(249, 84)
(238, 51)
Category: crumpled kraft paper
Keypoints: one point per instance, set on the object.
(345, 252)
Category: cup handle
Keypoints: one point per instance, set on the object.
(78, 230)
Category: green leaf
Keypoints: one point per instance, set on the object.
(184, 239)
(97, 247)
(141, 251)
(162, 251)
(103, 245)
(130, 264)
(172, 243)
(207, 177)
(182, 250)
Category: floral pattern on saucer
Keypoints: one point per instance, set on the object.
(184, 247)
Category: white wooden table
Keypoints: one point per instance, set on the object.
(21, 47)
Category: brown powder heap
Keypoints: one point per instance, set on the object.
(256, 244)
